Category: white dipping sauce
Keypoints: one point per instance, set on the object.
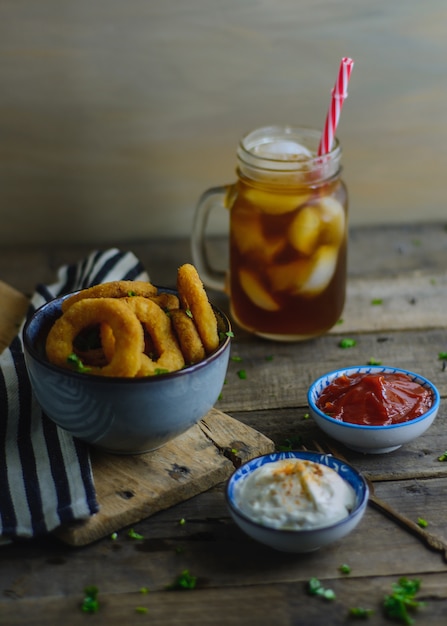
(295, 494)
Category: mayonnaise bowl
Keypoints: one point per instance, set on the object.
(267, 502)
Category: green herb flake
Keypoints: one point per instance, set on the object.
(373, 361)
(131, 294)
(442, 356)
(422, 522)
(90, 603)
(340, 321)
(269, 357)
(376, 301)
(160, 370)
(358, 611)
(443, 457)
(315, 588)
(345, 568)
(290, 444)
(188, 313)
(134, 535)
(75, 362)
(242, 374)
(397, 604)
(144, 590)
(114, 536)
(184, 581)
(236, 358)
(347, 343)
(141, 609)
(306, 416)
(182, 521)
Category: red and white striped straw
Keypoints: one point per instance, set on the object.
(339, 94)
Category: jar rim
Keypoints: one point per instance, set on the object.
(290, 161)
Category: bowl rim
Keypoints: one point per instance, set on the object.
(373, 369)
(316, 457)
(121, 380)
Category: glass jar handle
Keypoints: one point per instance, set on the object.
(211, 199)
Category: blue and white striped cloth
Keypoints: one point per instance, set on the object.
(45, 474)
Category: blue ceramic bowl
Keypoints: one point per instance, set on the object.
(122, 415)
(371, 439)
(298, 540)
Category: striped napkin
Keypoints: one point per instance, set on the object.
(45, 474)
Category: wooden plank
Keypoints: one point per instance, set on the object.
(130, 488)
(407, 302)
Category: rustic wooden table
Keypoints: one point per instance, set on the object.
(239, 581)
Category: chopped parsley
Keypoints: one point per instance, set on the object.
(290, 444)
(90, 603)
(185, 580)
(347, 342)
(398, 603)
(75, 362)
(422, 522)
(315, 588)
(236, 358)
(134, 535)
(373, 361)
(242, 374)
(443, 456)
(345, 568)
(141, 609)
(160, 370)
(358, 611)
(442, 355)
(376, 301)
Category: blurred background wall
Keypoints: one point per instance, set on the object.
(115, 115)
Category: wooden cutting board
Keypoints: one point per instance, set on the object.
(131, 488)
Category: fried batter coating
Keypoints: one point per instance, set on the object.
(127, 331)
(193, 297)
(167, 301)
(187, 335)
(169, 357)
(113, 289)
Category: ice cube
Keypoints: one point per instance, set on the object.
(257, 293)
(333, 220)
(249, 238)
(283, 149)
(304, 230)
(289, 277)
(324, 262)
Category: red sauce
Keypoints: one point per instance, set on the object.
(375, 399)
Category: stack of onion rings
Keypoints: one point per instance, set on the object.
(131, 329)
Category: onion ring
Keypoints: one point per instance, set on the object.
(188, 337)
(127, 331)
(193, 297)
(169, 357)
(167, 301)
(113, 289)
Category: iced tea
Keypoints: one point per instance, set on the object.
(288, 235)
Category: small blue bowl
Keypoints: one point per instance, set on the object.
(122, 415)
(298, 541)
(371, 439)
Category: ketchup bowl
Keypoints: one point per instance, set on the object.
(373, 409)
